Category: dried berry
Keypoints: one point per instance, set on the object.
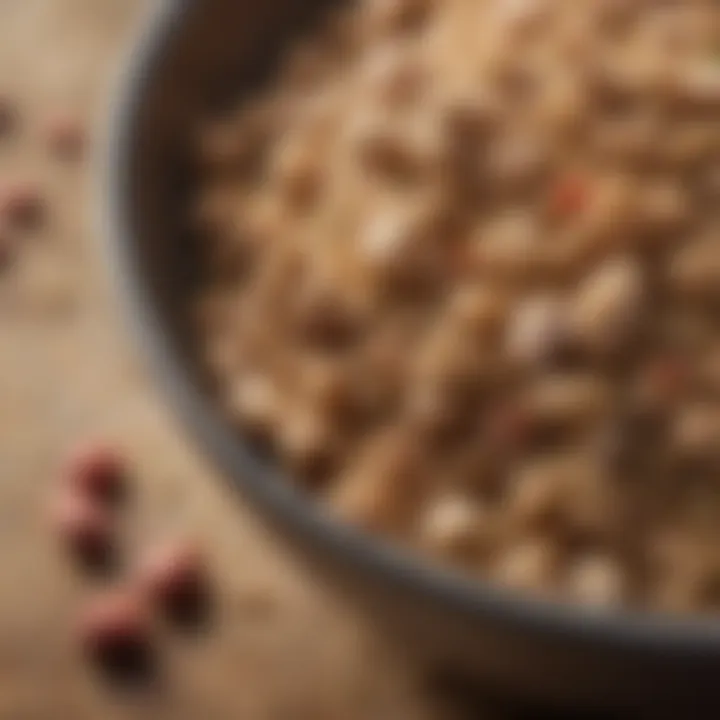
(83, 526)
(174, 577)
(98, 470)
(114, 629)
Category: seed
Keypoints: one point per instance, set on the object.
(83, 526)
(97, 470)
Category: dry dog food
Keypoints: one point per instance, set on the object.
(462, 275)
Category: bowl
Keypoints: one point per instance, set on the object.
(190, 58)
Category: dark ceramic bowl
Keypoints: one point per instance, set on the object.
(189, 55)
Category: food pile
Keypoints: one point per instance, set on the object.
(462, 274)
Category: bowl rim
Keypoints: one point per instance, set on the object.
(612, 630)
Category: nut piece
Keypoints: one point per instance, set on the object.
(508, 247)
(596, 580)
(537, 330)
(573, 401)
(530, 565)
(309, 444)
(254, 402)
(298, 174)
(98, 470)
(608, 305)
(383, 489)
(563, 495)
(456, 526)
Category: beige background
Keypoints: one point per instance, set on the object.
(279, 649)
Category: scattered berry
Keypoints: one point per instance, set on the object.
(83, 526)
(98, 470)
(174, 577)
(114, 629)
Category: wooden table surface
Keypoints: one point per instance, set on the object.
(278, 648)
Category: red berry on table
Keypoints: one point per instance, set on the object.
(174, 577)
(114, 630)
(83, 526)
(97, 469)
